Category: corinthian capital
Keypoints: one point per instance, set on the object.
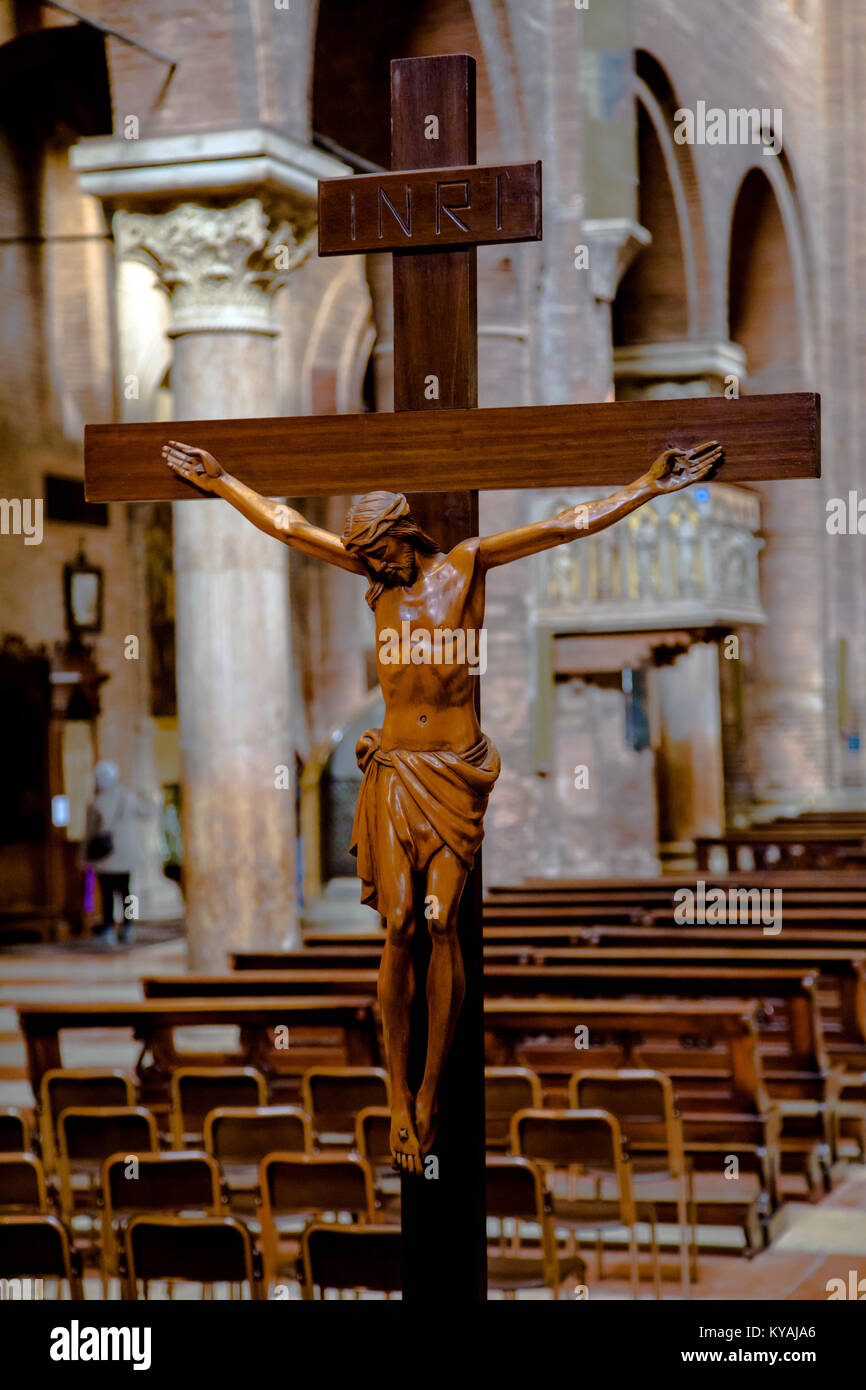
(220, 266)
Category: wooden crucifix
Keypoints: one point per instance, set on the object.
(429, 771)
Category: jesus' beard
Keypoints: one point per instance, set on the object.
(392, 580)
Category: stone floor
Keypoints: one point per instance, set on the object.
(817, 1243)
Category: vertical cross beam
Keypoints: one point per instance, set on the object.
(436, 335)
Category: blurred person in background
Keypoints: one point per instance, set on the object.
(113, 844)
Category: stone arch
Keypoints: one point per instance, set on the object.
(664, 295)
(337, 342)
(768, 279)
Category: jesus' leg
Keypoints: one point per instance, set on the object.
(446, 984)
(396, 991)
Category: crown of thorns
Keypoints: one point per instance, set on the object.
(369, 518)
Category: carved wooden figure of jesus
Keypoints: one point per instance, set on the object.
(429, 770)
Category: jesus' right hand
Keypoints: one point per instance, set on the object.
(193, 465)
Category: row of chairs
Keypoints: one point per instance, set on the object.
(560, 1141)
(292, 1242)
(294, 1188)
(331, 1097)
(607, 1108)
(208, 1250)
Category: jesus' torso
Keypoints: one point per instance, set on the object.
(429, 641)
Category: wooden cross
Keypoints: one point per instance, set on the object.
(432, 218)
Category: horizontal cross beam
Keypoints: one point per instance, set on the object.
(599, 445)
(423, 209)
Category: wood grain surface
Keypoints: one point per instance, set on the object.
(476, 205)
(440, 450)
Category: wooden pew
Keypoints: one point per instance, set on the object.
(660, 934)
(822, 820)
(842, 970)
(366, 936)
(261, 983)
(565, 910)
(816, 886)
(510, 1020)
(153, 1023)
(841, 995)
(790, 847)
(545, 912)
(311, 958)
(576, 935)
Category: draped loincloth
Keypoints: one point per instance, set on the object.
(428, 798)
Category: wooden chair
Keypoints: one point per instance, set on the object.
(186, 1183)
(296, 1188)
(63, 1087)
(579, 1149)
(206, 1250)
(643, 1102)
(849, 1136)
(240, 1136)
(333, 1096)
(195, 1091)
(38, 1247)
(373, 1142)
(15, 1131)
(349, 1257)
(516, 1192)
(507, 1090)
(22, 1184)
(86, 1137)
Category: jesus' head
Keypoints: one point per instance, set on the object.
(381, 531)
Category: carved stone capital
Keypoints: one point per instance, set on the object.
(613, 244)
(221, 266)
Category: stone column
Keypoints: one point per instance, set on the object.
(612, 244)
(219, 267)
(786, 688)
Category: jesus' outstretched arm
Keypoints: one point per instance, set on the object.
(672, 470)
(274, 518)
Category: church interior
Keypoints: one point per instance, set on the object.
(662, 1044)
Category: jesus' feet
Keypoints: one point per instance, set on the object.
(405, 1150)
(426, 1119)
